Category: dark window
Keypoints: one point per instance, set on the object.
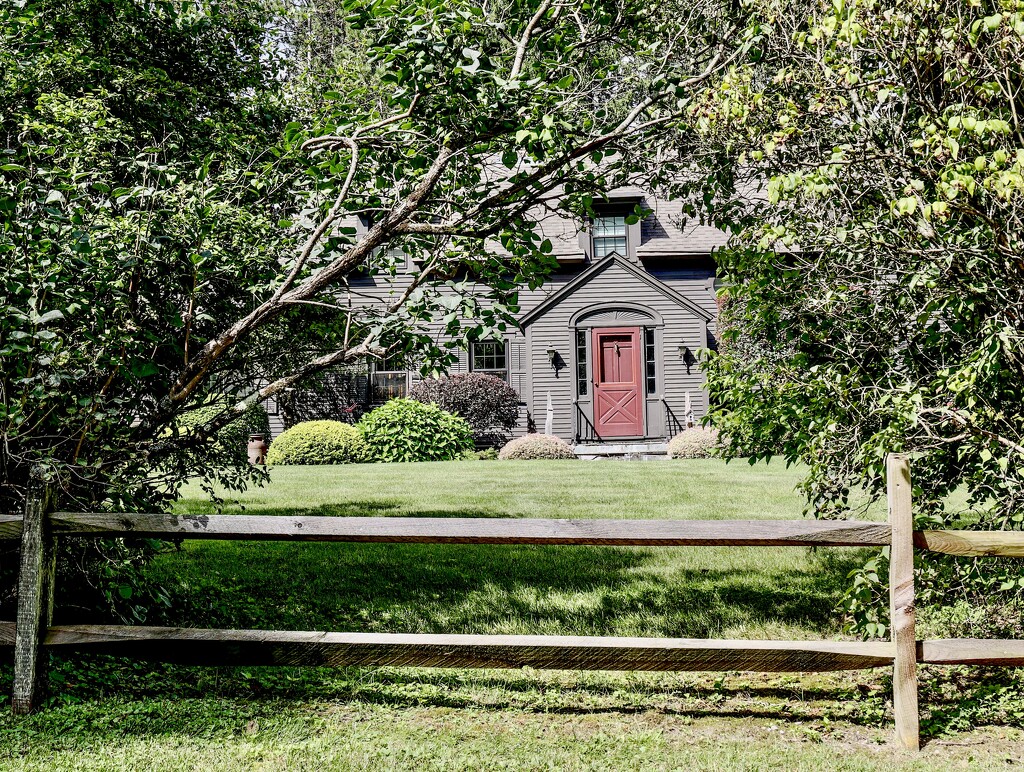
(609, 235)
(582, 384)
(650, 363)
(396, 255)
(489, 357)
(384, 260)
(389, 379)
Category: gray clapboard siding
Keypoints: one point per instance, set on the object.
(681, 327)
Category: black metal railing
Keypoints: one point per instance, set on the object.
(585, 429)
(672, 423)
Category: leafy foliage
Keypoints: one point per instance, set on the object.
(407, 430)
(695, 442)
(232, 439)
(536, 446)
(487, 402)
(338, 394)
(881, 278)
(319, 442)
(131, 220)
(170, 231)
(128, 221)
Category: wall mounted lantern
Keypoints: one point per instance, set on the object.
(687, 356)
(557, 363)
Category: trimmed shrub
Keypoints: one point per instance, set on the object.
(487, 402)
(407, 430)
(693, 443)
(319, 442)
(233, 439)
(536, 446)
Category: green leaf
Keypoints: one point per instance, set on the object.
(144, 369)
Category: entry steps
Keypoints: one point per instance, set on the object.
(624, 451)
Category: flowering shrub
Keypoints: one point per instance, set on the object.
(488, 403)
(318, 442)
(693, 443)
(535, 446)
(406, 430)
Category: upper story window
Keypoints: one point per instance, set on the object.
(489, 357)
(609, 235)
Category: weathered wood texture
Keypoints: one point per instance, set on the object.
(972, 651)
(901, 601)
(466, 530)
(10, 526)
(955, 651)
(1006, 544)
(280, 647)
(35, 602)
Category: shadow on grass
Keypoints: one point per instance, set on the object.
(413, 588)
(105, 699)
(340, 509)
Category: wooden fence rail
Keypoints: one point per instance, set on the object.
(33, 634)
(477, 530)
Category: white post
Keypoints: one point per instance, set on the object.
(549, 421)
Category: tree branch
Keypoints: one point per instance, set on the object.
(524, 40)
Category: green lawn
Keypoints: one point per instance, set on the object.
(114, 714)
(685, 592)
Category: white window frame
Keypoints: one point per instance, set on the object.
(599, 233)
(502, 372)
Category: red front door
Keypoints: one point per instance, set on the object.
(618, 400)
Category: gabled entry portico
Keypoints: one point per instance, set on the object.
(613, 350)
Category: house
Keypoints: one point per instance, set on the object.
(611, 338)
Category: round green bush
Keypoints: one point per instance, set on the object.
(536, 446)
(693, 443)
(318, 442)
(406, 430)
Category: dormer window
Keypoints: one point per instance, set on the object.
(609, 235)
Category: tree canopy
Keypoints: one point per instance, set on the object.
(875, 295)
(177, 201)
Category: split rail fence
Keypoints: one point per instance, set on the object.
(33, 635)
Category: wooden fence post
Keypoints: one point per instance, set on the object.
(35, 600)
(901, 601)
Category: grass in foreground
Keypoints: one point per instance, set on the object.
(121, 715)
